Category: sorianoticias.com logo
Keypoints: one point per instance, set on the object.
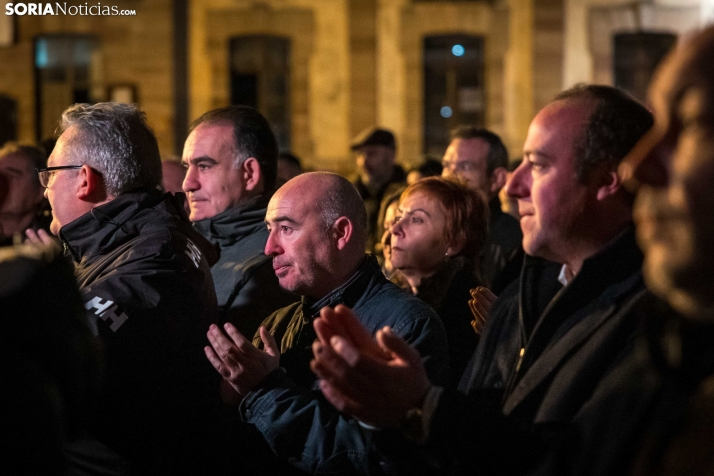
(61, 8)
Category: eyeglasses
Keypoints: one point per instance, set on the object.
(47, 173)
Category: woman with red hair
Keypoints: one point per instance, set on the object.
(441, 225)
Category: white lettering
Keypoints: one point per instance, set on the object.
(20, 9)
(8, 9)
(48, 9)
(193, 252)
(61, 7)
(96, 303)
(117, 321)
(32, 9)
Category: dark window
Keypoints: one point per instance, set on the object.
(260, 75)
(66, 69)
(453, 87)
(636, 57)
(8, 119)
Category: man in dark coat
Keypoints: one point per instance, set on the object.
(317, 235)
(479, 158)
(231, 160)
(655, 415)
(551, 337)
(144, 276)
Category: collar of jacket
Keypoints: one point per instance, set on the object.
(616, 262)
(231, 225)
(348, 293)
(110, 225)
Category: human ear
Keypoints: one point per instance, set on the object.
(498, 179)
(608, 183)
(342, 232)
(86, 182)
(455, 246)
(252, 175)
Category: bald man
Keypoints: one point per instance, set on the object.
(317, 233)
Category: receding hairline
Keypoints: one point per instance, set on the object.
(318, 183)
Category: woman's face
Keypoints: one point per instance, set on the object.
(419, 240)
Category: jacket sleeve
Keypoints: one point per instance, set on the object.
(150, 312)
(302, 427)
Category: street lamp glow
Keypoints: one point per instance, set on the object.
(457, 50)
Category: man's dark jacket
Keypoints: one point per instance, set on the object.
(144, 276)
(543, 353)
(654, 415)
(246, 286)
(288, 408)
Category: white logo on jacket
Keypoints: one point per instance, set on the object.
(107, 310)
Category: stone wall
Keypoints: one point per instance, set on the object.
(134, 50)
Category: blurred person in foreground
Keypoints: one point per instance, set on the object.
(47, 360)
(479, 158)
(549, 341)
(317, 232)
(144, 277)
(22, 204)
(439, 227)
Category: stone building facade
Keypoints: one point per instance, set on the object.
(349, 64)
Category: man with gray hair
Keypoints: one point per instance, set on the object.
(317, 228)
(144, 275)
(230, 158)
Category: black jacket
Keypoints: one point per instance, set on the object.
(655, 413)
(501, 259)
(510, 401)
(246, 286)
(447, 291)
(144, 276)
(288, 408)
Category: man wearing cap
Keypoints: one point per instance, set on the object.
(378, 174)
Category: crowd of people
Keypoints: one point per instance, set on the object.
(267, 320)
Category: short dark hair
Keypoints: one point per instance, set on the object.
(115, 140)
(290, 158)
(252, 137)
(616, 124)
(466, 212)
(497, 153)
(341, 198)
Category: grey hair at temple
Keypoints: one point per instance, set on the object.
(114, 140)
